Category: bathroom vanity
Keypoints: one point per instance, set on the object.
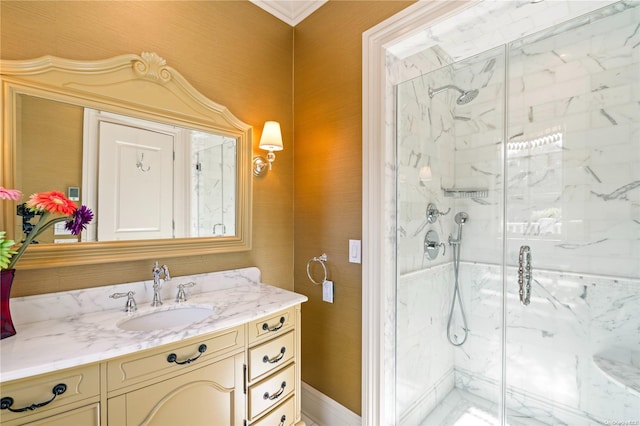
(239, 365)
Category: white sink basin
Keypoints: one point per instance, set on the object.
(166, 318)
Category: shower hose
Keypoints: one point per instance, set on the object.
(456, 296)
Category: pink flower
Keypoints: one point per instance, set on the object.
(53, 202)
(9, 194)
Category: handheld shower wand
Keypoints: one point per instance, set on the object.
(460, 218)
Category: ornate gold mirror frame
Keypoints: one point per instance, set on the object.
(140, 86)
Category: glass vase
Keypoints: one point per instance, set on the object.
(6, 323)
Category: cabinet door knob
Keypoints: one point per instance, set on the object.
(7, 401)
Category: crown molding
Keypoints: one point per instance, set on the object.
(290, 11)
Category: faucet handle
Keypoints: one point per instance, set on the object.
(182, 295)
(130, 306)
(167, 275)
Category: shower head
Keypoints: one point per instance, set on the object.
(464, 98)
(461, 218)
(467, 97)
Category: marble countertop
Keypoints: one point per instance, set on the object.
(49, 338)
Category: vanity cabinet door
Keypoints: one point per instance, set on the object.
(211, 395)
(84, 416)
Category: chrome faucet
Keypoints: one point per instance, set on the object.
(157, 284)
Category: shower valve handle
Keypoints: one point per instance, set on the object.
(432, 245)
(433, 213)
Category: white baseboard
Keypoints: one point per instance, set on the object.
(324, 411)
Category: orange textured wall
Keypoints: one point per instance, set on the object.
(328, 188)
(233, 52)
(241, 57)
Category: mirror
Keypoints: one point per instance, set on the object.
(184, 187)
(165, 169)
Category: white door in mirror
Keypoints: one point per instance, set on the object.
(135, 195)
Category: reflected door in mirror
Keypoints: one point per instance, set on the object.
(135, 190)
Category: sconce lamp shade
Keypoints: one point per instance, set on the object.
(271, 139)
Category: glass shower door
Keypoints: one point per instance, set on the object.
(449, 244)
(572, 272)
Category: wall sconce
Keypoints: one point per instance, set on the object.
(271, 140)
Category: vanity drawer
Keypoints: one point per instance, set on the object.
(271, 355)
(282, 415)
(78, 384)
(271, 326)
(175, 358)
(266, 394)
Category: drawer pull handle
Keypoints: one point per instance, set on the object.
(266, 327)
(174, 358)
(277, 394)
(277, 358)
(282, 420)
(7, 401)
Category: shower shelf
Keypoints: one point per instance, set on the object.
(466, 192)
(623, 374)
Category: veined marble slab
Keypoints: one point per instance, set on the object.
(67, 329)
(623, 373)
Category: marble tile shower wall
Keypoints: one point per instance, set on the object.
(425, 142)
(425, 361)
(571, 318)
(577, 197)
(573, 195)
(213, 179)
(462, 146)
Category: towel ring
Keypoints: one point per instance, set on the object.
(321, 259)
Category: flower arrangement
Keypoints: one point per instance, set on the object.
(52, 207)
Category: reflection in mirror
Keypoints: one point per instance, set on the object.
(142, 179)
(166, 169)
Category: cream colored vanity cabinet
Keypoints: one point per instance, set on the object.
(247, 375)
(273, 369)
(66, 397)
(195, 382)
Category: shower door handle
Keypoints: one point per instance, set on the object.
(524, 275)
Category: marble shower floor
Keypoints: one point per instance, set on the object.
(460, 408)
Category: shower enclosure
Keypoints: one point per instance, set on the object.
(522, 126)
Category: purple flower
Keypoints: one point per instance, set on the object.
(81, 218)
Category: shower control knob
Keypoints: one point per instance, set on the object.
(433, 213)
(432, 245)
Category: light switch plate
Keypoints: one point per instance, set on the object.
(327, 291)
(355, 249)
(59, 229)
